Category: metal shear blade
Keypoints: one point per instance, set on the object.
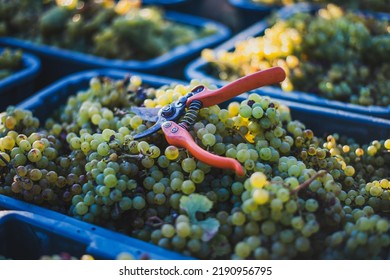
(171, 112)
(153, 129)
(147, 114)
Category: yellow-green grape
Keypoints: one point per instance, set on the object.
(349, 170)
(107, 133)
(7, 143)
(143, 147)
(10, 122)
(103, 149)
(171, 152)
(87, 257)
(183, 229)
(188, 187)
(168, 230)
(384, 183)
(154, 151)
(125, 256)
(260, 196)
(242, 250)
(81, 208)
(233, 109)
(6, 158)
(188, 165)
(258, 180)
(75, 143)
(359, 152)
(39, 144)
(35, 174)
(387, 144)
(34, 155)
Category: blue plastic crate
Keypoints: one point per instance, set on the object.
(198, 68)
(29, 232)
(19, 85)
(253, 6)
(251, 12)
(322, 120)
(165, 3)
(57, 63)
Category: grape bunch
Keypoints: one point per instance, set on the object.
(302, 197)
(121, 29)
(336, 54)
(376, 5)
(10, 62)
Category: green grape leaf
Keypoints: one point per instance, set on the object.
(210, 228)
(200, 203)
(195, 203)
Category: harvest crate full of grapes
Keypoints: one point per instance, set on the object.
(117, 164)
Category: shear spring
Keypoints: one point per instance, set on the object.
(191, 115)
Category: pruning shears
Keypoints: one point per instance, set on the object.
(186, 110)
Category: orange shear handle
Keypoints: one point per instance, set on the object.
(261, 78)
(180, 137)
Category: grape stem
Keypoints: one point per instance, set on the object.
(308, 182)
(10, 166)
(235, 131)
(139, 156)
(154, 221)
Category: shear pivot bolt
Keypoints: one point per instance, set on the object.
(167, 124)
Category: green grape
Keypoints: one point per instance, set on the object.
(260, 196)
(168, 230)
(188, 165)
(81, 208)
(25, 145)
(188, 187)
(302, 244)
(103, 149)
(238, 219)
(311, 205)
(245, 111)
(242, 249)
(243, 155)
(265, 153)
(143, 146)
(197, 176)
(138, 202)
(258, 180)
(208, 139)
(110, 180)
(183, 229)
(35, 174)
(158, 188)
(34, 155)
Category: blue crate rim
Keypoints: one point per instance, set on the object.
(195, 69)
(89, 234)
(176, 54)
(31, 67)
(88, 74)
(252, 6)
(167, 3)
